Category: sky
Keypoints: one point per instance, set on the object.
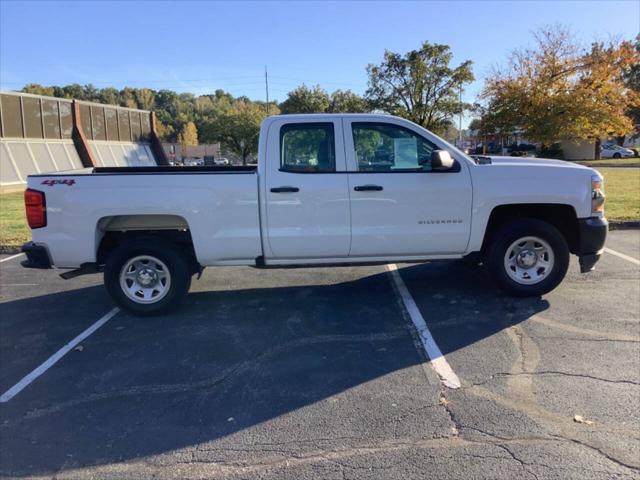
(201, 46)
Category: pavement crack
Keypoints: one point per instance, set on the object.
(576, 339)
(598, 450)
(445, 404)
(525, 466)
(550, 373)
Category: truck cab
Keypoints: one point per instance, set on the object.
(360, 187)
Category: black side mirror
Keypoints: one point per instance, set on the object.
(441, 160)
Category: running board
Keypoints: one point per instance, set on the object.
(85, 269)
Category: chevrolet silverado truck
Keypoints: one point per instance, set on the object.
(327, 190)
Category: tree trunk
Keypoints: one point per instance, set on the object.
(597, 149)
(620, 140)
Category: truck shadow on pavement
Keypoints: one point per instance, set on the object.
(241, 367)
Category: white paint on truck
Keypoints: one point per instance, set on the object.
(338, 188)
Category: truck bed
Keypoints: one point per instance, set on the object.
(188, 170)
(218, 205)
(177, 169)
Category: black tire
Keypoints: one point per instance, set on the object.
(617, 155)
(158, 248)
(514, 230)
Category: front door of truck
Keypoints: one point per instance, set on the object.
(307, 194)
(400, 206)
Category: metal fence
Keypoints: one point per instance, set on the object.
(41, 134)
(32, 116)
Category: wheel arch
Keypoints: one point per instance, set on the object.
(113, 230)
(561, 216)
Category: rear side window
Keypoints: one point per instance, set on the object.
(384, 147)
(307, 147)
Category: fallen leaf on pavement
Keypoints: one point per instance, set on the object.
(581, 419)
(79, 348)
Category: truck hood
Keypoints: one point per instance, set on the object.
(533, 161)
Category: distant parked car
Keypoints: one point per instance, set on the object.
(615, 151)
(193, 162)
(221, 161)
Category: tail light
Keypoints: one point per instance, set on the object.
(35, 206)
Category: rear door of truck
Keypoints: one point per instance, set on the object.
(306, 189)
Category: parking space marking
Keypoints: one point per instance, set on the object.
(436, 358)
(18, 387)
(635, 261)
(11, 257)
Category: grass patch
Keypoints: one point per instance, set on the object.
(610, 161)
(622, 188)
(13, 224)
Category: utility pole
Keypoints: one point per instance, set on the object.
(460, 121)
(266, 86)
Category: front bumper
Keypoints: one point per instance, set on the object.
(591, 237)
(37, 256)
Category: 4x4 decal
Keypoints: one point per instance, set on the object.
(67, 181)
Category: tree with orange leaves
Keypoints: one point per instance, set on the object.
(557, 90)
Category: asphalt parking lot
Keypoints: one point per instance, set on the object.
(319, 373)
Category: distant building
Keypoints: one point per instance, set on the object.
(174, 151)
(175, 155)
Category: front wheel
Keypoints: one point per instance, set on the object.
(147, 276)
(528, 257)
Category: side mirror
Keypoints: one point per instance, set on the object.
(441, 160)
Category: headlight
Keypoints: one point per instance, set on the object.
(597, 194)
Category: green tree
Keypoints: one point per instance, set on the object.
(419, 85)
(38, 89)
(110, 95)
(237, 129)
(90, 93)
(345, 101)
(145, 98)
(73, 91)
(306, 100)
(128, 97)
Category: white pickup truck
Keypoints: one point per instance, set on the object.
(328, 189)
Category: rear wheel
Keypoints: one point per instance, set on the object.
(147, 275)
(528, 257)
(617, 155)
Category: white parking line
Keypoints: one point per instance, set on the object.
(438, 361)
(623, 256)
(18, 387)
(11, 257)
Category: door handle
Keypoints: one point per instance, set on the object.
(285, 189)
(368, 188)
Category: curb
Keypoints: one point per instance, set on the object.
(624, 225)
(10, 249)
(604, 165)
